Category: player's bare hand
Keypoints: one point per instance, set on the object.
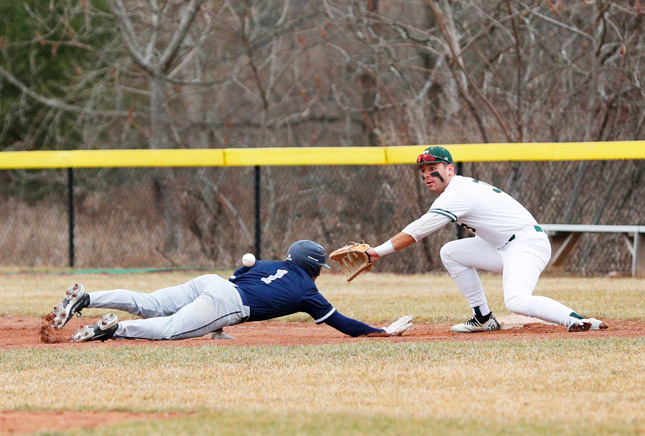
(399, 326)
(372, 254)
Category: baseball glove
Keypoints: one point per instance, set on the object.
(353, 258)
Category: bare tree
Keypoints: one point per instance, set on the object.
(263, 73)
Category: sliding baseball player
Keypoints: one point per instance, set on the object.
(507, 240)
(206, 304)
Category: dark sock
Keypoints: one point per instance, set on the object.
(479, 317)
(84, 303)
(575, 315)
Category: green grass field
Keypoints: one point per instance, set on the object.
(520, 387)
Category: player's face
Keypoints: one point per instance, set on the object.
(436, 176)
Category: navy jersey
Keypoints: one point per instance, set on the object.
(278, 288)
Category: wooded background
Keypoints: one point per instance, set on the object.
(194, 74)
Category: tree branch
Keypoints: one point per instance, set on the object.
(57, 104)
(187, 18)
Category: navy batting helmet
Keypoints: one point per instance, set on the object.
(309, 256)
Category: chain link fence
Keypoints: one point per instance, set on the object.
(207, 217)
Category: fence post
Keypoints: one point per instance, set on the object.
(258, 232)
(70, 213)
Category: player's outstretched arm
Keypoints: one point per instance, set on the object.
(354, 328)
(397, 243)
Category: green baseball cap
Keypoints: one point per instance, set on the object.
(434, 154)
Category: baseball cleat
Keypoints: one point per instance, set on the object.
(597, 324)
(103, 330)
(76, 299)
(579, 325)
(474, 326)
(582, 325)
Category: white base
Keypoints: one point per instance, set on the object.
(513, 321)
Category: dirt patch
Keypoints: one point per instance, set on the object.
(23, 422)
(47, 333)
(20, 332)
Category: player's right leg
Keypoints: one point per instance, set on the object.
(461, 259)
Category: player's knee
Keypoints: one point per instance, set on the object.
(446, 254)
(516, 303)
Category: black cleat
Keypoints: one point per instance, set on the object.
(474, 326)
(103, 330)
(75, 300)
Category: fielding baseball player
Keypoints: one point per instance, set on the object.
(207, 304)
(507, 240)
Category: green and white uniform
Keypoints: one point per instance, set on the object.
(507, 240)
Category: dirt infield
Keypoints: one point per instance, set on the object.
(22, 332)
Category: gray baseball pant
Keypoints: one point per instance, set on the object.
(200, 306)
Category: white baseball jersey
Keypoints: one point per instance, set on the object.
(507, 241)
(485, 210)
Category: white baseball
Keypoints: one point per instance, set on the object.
(248, 259)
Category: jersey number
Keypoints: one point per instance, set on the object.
(278, 275)
(469, 228)
(499, 191)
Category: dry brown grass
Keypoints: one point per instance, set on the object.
(517, 387)
(503, 383)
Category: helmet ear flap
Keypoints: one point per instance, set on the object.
(309, 256)
(313, 271)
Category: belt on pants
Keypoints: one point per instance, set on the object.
(537, 229)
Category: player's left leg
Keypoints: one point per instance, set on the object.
(524, 260)
(76, 299)
(163, 302)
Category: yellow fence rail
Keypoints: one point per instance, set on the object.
(318, 155)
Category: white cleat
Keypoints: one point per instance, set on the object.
(582, 325)
(76, 299)
(597, 324)
(474, 326)
(103, 330)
